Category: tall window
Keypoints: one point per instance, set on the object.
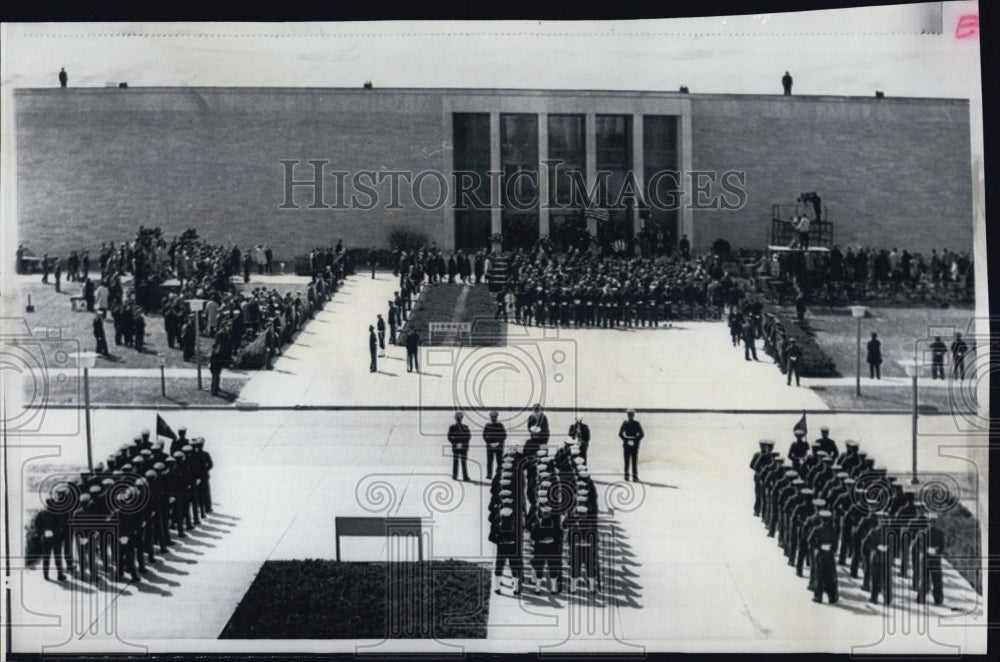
(568, 146)
(614, 157)
(471, 140)
(659, 137)
(519, 162)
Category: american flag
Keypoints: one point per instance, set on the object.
(598, 213)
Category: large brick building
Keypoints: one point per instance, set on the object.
(94, 163)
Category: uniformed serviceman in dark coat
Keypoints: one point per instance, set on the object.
(547, 536)
(821, 534)
(582, 540)
(494, 435)
(847, 460)
(826, 444)
(824, 568)
(203, 464)
(580, 431)
(52, 525)
(631, 434)
(785, 490)
(799, 449)
(763, 455)
(928, 568)
(128, 533)
(459, 436)
(180, 442)
(506, 533)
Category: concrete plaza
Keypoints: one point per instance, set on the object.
(692, 570)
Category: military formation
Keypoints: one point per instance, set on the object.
(581, 289)
(130, 505)
(543, 517)
(828, 509)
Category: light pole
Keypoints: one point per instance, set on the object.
(196, 306)
(87, 360)
(858, 312)
(912, 369)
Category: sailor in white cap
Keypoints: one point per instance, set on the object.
(459, 436)
(506, 534)
(631, 434)
(580, 431)
(494, 436)
(826, 443)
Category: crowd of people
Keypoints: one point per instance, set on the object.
(582, 289)
(828, 508)
(869, 274)
(122, 511)
(248, 328)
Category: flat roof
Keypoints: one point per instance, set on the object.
(479, 91)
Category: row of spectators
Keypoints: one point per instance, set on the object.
(870, 273)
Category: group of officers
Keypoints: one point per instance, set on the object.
(824, 506)
(126, 507)
(545, 504)
(541, 500)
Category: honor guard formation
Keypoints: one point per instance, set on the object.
(824, 507)
(125, 508)
(543, 506)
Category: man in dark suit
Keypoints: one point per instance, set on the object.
(494, 434)
(875, 357)
(793, 355)
(938, 351)
(372, 348)
(581, 432)
(786, 83)
(102, 341)
(631, 434)
(959, 348)
(412, 343)
(749, 346)
(459, 436)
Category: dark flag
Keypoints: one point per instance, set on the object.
(163, 430)
(801, 425)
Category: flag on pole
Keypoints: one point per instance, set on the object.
(163, 430)
(801, 425)
(597, 213)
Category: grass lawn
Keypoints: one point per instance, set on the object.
(52, 309)
(930, 401)
(322, 599)
(897, 328)
(446, 303)
(145, 390)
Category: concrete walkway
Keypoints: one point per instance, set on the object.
(689, 366)
(693, 569)
(691, 556)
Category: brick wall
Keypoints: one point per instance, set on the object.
(95, 164)
(891, 172)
